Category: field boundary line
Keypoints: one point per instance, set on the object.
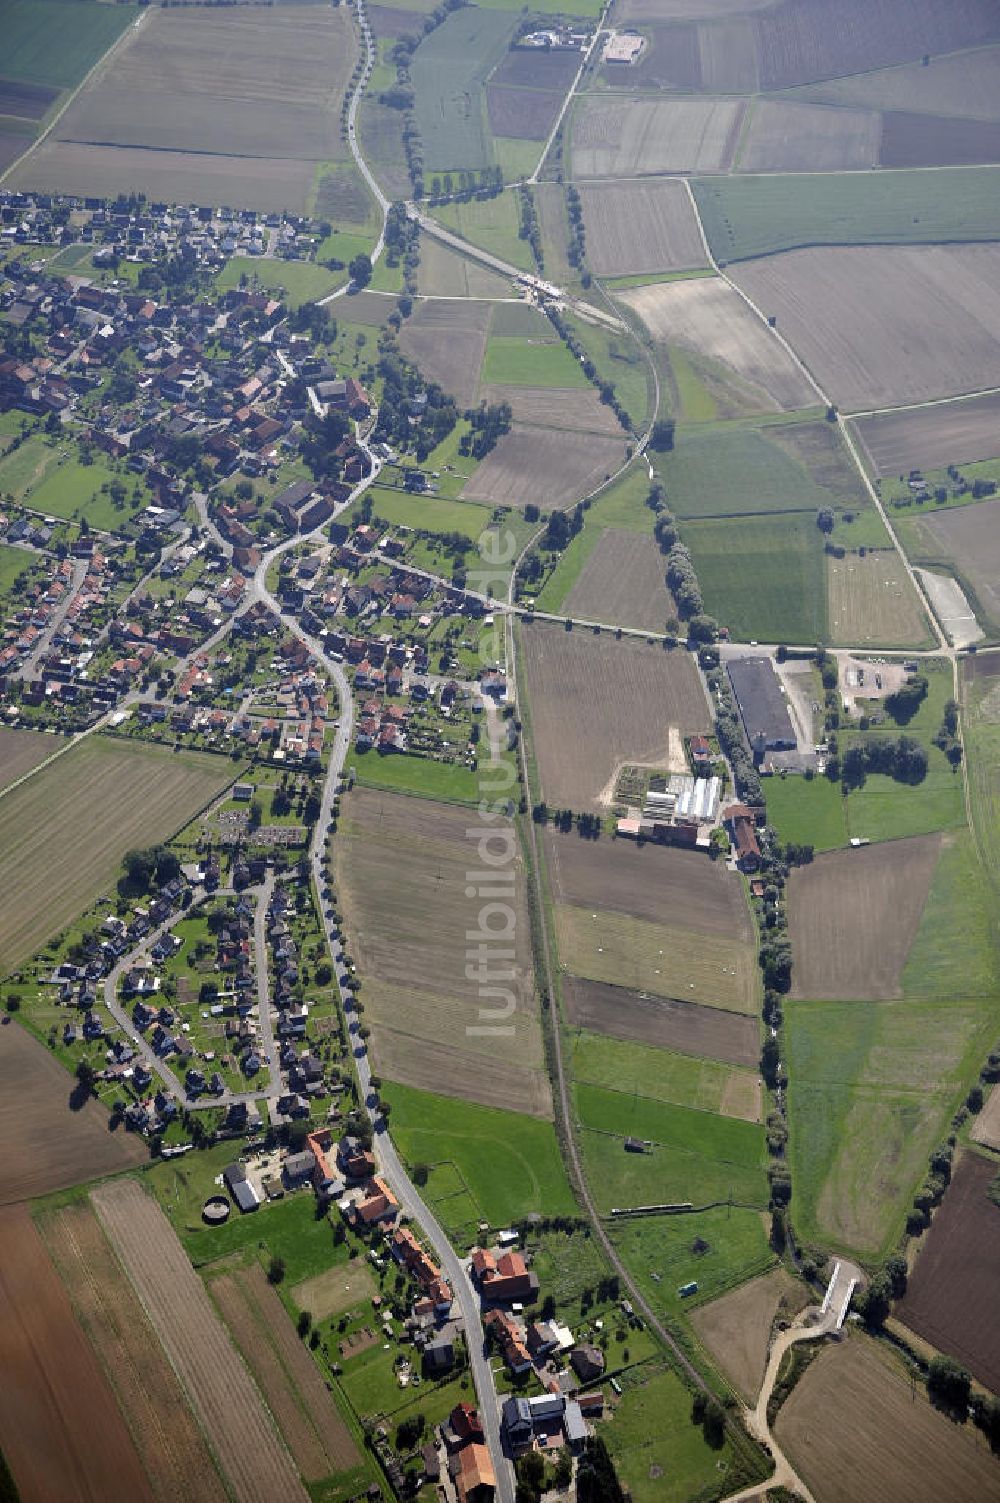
(127, 35)
(945, 645)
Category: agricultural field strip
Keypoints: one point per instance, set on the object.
(174, 1451)
(219, 1386)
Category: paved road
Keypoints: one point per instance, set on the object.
(28, 667)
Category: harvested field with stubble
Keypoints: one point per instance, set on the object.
(790, 137)
(952, 1298)
(266, 184)
(967, 537)
(62, 842)
(47, 1145)
(597, 705)
(61, 1432)
(174, 1452)
(447, 340)
(286, 1374)
(234, 105)
(707, 318)
(219, 1387)
(855, 1427)
(664, 959)
(853, 915)
(850, 311)
(684, 1027)
(736, 1328)
(401, 872)
(616, 137)
(931, 438)
(556, 407)
(20, 751)
(871, 602)
(552, 468)
(633, 228)
(623, 582)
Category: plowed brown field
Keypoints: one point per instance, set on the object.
(60, 1430)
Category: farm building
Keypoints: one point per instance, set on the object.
(762, 705)
(240, 1188)
(624, 47)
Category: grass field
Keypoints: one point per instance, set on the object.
(57, 42)
(696, 1156)
(429, 513)
(490, 223)
(295, 282)
(757, 216)
(981, 707)
(620, 360)
(658, 1453)
(487, 1164)
(523, 362)
(679, 1079)
(669, 1248)
(731, 471)
(450, 782)
(13, 563)
(763, 577)
(810, 812)
(873, 603)
(621, 507)
(62, 844)
(448, 71)
(871, 1090)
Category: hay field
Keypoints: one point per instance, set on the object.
(931, 438)
(20, 751)
(401, 873)
(447, 340)
(63, 837)
(343, 1287)
(952, 1299)
(220, 1389)
(853, 915)
(871, 602)
(61, 1432)
(707, 318)
(616, 137)
(764, 577)
(597, 704)
(787, 137)
(286, 1374)
(899, 1448)
(968, 538)
(221, 105)
(851, 312)
(679, 1079)
(47, 1145)
(663, 959)
(736, 1328)
(623, 583)
(174, 1451)
(665, 1023)
(634, 228)
(550, 467)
